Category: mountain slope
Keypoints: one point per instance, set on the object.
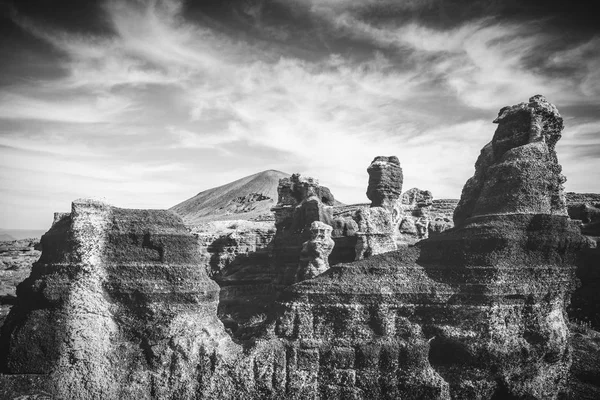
(246, 198)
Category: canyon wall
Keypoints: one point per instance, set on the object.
(476, 312)
(121, 305)
(116, 307)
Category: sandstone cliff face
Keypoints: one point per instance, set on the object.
(441, 215)
(474, 312)
(116, 307)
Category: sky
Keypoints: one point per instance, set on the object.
(143, 104)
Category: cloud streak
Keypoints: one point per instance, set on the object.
(164, 104)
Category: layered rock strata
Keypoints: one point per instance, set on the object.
(237, 255)
(385, 182)
(377, 225)
(301, 202)
(475, 312)
(415, 216)
(314, 257)
(441, 215)
(585, 302)
(117, 307)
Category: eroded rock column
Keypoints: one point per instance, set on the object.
(315, 252)
(377, 225)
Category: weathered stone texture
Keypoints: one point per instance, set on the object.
(377, 225)
(116, 307)
(473, 312)
(302, 201)
(237, 255)
(518, 170)
(584, 208)
(414, 216)
(121, 306)
(314, 258)
(385, 181)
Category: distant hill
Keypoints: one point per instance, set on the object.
(248, 198)
(18, 234)
(5, 237)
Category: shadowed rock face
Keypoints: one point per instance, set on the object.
(585, 302)
(237, 256)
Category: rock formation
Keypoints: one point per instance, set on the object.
(474, 312)
(524, 141)
(237, 255)
(302, 201)
(513, 250)
(415, 218)
(120, 304)
(385, 182)
(585, 302)
(441, 215)
(314, 258)
(377, 225)
(116, 307)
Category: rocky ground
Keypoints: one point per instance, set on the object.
(16, 257)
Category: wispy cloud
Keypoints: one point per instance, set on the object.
(88, 109)
(163, 105)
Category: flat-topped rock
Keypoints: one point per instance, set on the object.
(116, 305)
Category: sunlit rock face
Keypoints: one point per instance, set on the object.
(476, 312)
(116, 307)
(314, 258)
(378, 224)
(511, 259)
(518, 171)
(415, 216)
